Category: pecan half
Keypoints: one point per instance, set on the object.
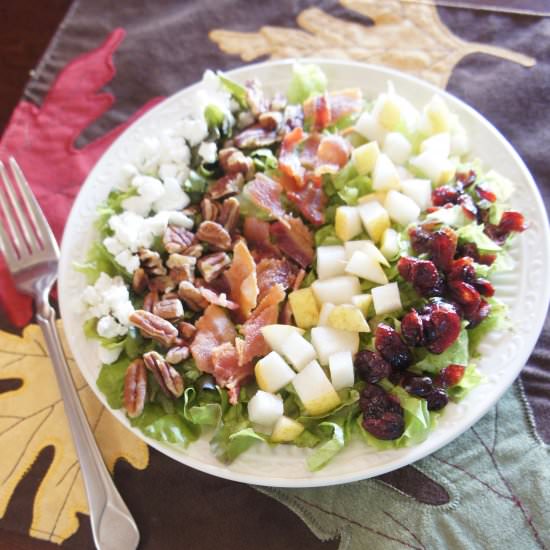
(234, 161)
(209, 210)
(229, 215)
(155, 327)
(212, 265)
(271, 120)
(186, 330)
(139, 281)
(135, 388)
(194, 250)
(182, 268)
(254, 137)
(177, 354)
(151, 262)
(192, 296)
(177, 239)
(168, 378)
(231, 184)
(170, 308)
(151, 298)
(213, 233)
(163, 283)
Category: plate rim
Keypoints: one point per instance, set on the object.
(417, 452)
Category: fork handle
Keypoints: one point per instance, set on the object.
(112, 524)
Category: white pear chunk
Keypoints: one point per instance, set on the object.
(378, 196)
(436, 168)
(401, 209)
(366, 267)
(375, 219)
(365, 246)
(389, 245)
(363, 302)
(265, 408)
(331, 261)
(397, 147)
(298, 351)
(341, 370)
(384, 175)
(328, 340)
(348, 317)
(439, 144)
(276, 335)
(347, 222)
(460, 143)
(369, 127)
(386, 298)
(326, 309)
(285, 430)
(337, 290)
(387, 110)
(364, 157)
(314, 389)
(438, 115)
(272, 372)
(419, 190)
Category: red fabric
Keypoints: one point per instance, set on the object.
(42, 140)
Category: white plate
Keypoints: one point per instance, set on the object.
(525, 290)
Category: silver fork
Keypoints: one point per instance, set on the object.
(32, 255)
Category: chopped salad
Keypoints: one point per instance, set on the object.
(303, 268)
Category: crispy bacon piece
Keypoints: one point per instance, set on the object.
(242, 279)
(255, 136)
(321, 111)
(265, 193)
(332, 154)
(308, 154)
(340, 103)
(213, 328)
(228, 371)
(265, 314)
(289, 161)
(294, 239)
(311, 201)
(256, 233)
(271, 271)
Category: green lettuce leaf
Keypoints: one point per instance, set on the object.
(496, 320)
(264, 159)
(307, 80)
(327, 450)
(195, 186)
(473, 233)
(237, 91)
(453, 216)
(457, 354)
(326, 235)
(355, 188)
(100, 260)
(111, 381)
(201, 414)
(471, 378)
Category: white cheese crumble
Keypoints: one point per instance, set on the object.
(207, 151)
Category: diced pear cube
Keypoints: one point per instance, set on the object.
(460, 143)
(419, 190)
(378, 196)
(365, 246)
(272, 372)
(326, 308)
(276, 335)
(265, 408)
(328, 340)
(387, 111)
(375, 219)
(397, 147)
(385, 174)
(315, 391)
(341, 370)
(337, 290)
(386, 298)
(368, 126)
(366, 267)
(304, 307)
(438, 143)
(435, 167)
(298, 351)
(390, 243)
(364, 157)
(401, 209)
(438, 115)
(348, 317)
(331, 261)
(363, 302)
(347, 222)
(286, 430)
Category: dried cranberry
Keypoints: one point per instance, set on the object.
(465, 294)
(443, 247)
(512, 221)
(485, 193)
(484, 287)
(450, 375)
(391, 347)
(462, 270)
(468, 206)
(422, 274)
(437, 400)
(486, 259)
(420, 239)
(382, 414)
(466, 178)
(478, 314)
(419, 386)
(441, 326)
(371, 366)
(412, 330)
(445, 195)
(389, 426)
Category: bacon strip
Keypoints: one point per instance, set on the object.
(271, 271)
(289, 162)
(311, 201)
(294, 239)
(333, 153)
(256, 233)
(241, 277)
(213, 328)
(338, 104)
(228, 371)
(265, 193)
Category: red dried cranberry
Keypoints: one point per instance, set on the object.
(450, 375)
(485, 193)
(437, 400)
(466, 178)
(371, 366)
(478, 314)
(512, 221)
(468, 206)
(484, 287)
(420, 239)
(443, 248)
(445, 195)
(422, 274)
(412, 330)
(391, 347)
(419, 386)
(382, 414)
(471, 250)
(462, 270)
(441, 326)
(486, 259)
(464, 293)
(387, 427)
